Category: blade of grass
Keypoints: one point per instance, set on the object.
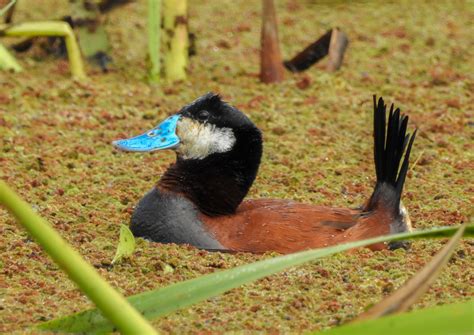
(162, 301)
(52, 28)
(7, 7)
(409, 293)
(453, 319)
(114, 306)
(7, 61)
(154, 37)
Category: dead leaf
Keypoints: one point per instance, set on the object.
(409, 293)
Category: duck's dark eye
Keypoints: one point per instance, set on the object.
(203, 115)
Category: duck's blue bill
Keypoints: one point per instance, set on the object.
(161, 137)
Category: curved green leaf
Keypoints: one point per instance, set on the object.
(126, 244)
(455, 319)
(159, 302)
(51, 28)
(7, 61)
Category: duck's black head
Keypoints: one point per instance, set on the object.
(218, 153)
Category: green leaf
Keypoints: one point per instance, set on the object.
(414, 288)
(159, 302)
(51, 28)
(126, 245)
(7, 61)
(6, 8)
(454, 319)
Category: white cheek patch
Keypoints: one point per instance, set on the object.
(199, 140)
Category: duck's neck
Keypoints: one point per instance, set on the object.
(218, 183)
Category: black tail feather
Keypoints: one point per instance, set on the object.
(404, 169)
(391, 144)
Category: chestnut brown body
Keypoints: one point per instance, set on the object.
(287, 226)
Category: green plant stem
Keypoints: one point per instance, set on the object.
(7, 61)
(112, 304)
(53, 28)
(88, 27)
(176, 39)
(154, 36)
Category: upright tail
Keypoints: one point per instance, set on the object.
(392, 143)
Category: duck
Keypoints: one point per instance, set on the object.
(200, 198)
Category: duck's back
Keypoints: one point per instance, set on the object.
(286, 226)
